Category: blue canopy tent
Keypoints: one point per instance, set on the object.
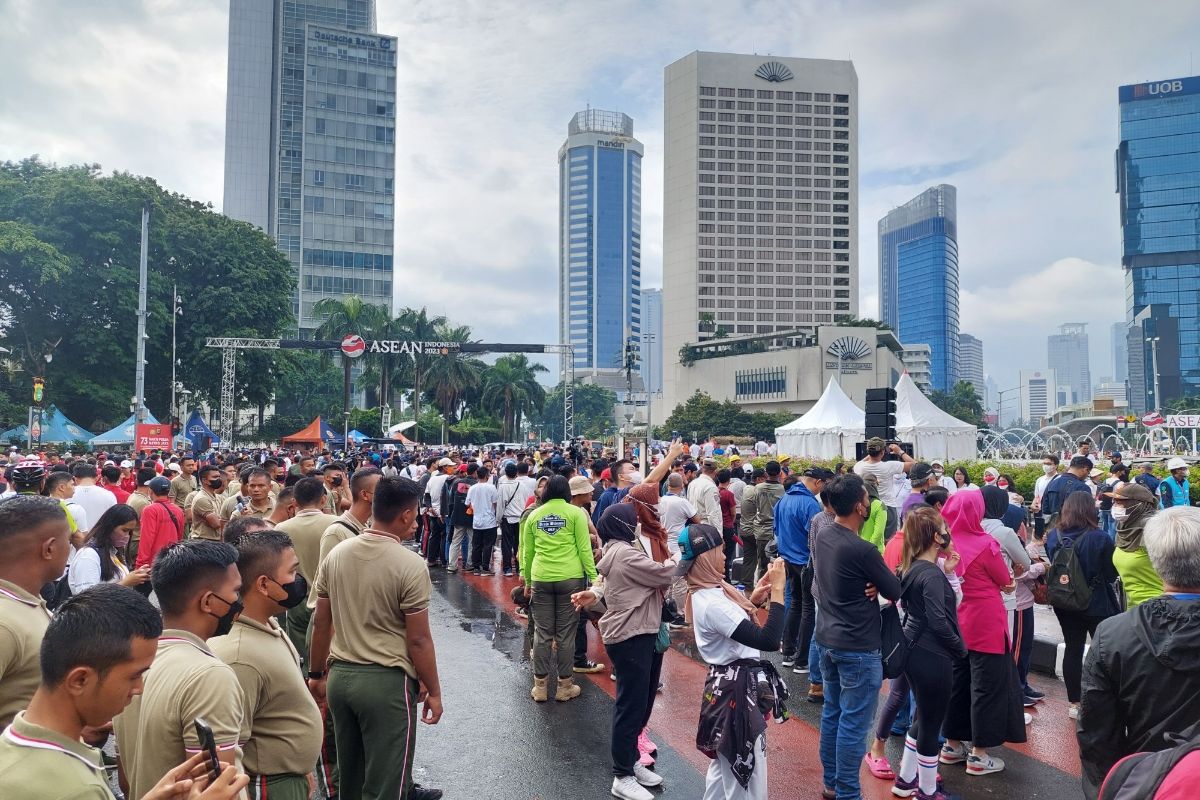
(19, 434)
(357, 436)
(196, 429)
(57, 429)
(121, 434)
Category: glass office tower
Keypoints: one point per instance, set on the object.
(918, 277)
(600, 229)
(310, 142)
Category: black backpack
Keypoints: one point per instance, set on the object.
(1139, 776)
(1067, 587)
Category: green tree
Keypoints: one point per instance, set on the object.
(861, 322)
(700, 416)
(511, 388)
(69, 249)
(416, 325)
(593, 411)
(340, 318)
(451, 376)
(961, 402)
(307, 386)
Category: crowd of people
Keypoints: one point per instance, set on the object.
(274, 609)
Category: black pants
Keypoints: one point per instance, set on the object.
(802, 613)
(508, 544)
(985, 701)
(929, 676)
(581, 642)
(638, 668)
(483, 543)
(1075, 630)
(434, 545)
(728, 534)
(750, 547)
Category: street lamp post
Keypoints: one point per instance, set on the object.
(1000, 403)
(176, 311)
(1153, 342)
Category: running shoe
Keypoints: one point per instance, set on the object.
(627, 788)
(983, 765)
(588, 668)
(645, 745)
(953, 755)
(1034, 693)
(789, 660)
(903, 788)
(1073, 711)
(646, 777)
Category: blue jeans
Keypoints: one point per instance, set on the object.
(1108, 524)
(852, 682)
(815, 652)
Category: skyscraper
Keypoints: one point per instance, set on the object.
(970, 364)
(1038, 395)
(310, 142)
(760, 206)
(1067, 355)
(1158, 180)
(600, 229)
(652, 349)
(918, 277)
(1120, 352)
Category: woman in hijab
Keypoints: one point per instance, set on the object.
(732, 732)
(997, 511)
(1133, 506)
(985, 699)
(631, 599)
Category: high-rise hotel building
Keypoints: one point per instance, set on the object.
(310, 142)
(760, 217)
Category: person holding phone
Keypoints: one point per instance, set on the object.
(95, 654)
(199, 591)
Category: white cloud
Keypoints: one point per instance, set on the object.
(1014, 103)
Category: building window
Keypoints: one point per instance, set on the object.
(760, 383)
(319, 177)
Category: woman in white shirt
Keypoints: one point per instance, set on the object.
(729, 639)
(99, 560)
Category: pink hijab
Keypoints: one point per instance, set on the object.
(963, 512)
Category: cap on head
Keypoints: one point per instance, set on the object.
(690, 467)
(818, 473)
(445, 462)
(1176, 463)
(695, 540)
(159, 485)
(580, 485)
(920, 473)
(875, 444)
(735, 458)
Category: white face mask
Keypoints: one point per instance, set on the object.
(1118, 512)
(1048, 469)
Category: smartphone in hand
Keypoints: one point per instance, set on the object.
(209, 745)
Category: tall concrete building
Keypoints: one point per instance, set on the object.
(918, 277)
(1039, 395)
(652, 348)
(918, 363)
(600, 245)
(1158, 181)
(1067, 356)
(760, 206)
(1120, 352)
(310, 142)
(970, 364)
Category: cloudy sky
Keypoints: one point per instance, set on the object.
(1014, 103)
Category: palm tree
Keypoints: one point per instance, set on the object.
(451, 376)
(417, 326)
(341, 318)
(511, 387)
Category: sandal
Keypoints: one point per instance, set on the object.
(880, 768)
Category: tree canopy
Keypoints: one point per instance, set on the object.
(701, 416)
(961, 402)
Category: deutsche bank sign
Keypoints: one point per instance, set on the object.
(1159, 89)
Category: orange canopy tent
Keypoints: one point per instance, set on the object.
(315, 432)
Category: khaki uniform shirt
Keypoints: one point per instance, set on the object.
(181, 486)
(373, 582)
(232, 490)
(203, 504)
(138, 501)
(229, 508)
(155, 731)
(343, 528)
(40, 764)
(305, 530)
(23, 622)
(285, 729)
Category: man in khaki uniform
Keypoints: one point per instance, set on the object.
(338, 494)
(259, 502)
(138, 500)
(283, 724)
(207, 521)
(184, 483)
(354, 519)
(95, 652)
(198, 588)
(35, 541)
(372, 626)
(233, 486)
(305, 530)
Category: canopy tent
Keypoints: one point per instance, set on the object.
(828, 430)
(57, 429)
(357, 436)
(122, 434)
(196, 429)
(932, 432)
(19, 434)
(316, 432)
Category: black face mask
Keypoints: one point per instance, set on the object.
(214, 483)
(297, 591)
(225, 621)
(336, 480)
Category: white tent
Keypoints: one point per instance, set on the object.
(933, 432)
(829, 429)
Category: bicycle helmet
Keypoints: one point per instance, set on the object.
(28, 473)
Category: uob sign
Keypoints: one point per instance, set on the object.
(1152, 89)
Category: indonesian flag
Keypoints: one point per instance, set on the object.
(1153, 419)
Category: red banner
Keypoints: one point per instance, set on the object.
(152, 437)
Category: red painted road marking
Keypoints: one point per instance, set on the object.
(792, 747)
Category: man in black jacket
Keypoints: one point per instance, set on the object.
(1073, 480)
(1142, 674)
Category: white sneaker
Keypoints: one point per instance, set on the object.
(646, 776)
(1028, 719)
(627, 788)
(1073, 711)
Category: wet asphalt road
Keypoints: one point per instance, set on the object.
(494, 742)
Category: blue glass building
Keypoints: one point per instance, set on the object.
(918, 278)
(1158, 180)
(600, 221)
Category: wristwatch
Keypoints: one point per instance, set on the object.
(316, 675)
